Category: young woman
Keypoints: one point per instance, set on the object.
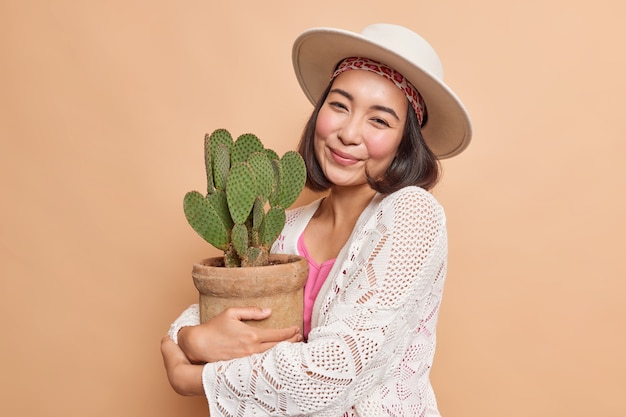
(376, 244)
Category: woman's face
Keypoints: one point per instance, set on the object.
(359, 127)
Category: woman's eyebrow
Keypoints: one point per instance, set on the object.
(387, 110)
(343, 93)
(375, 107)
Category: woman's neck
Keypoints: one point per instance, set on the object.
(333, 222)
(344, 205)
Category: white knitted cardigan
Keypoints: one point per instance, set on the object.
(372, 341)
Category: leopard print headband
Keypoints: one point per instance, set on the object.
(411, 93)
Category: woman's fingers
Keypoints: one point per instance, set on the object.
(226, 336)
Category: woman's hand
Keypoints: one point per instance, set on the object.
(227, 337)
(184, 377)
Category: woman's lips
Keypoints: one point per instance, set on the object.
(343, 158)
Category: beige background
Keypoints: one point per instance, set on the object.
(103, 107)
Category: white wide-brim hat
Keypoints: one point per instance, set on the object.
(316, 53)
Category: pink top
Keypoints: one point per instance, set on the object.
(317, 276)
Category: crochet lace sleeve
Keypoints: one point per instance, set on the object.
(374, 306)
(189, 317)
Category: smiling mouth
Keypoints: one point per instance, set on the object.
(343, 158)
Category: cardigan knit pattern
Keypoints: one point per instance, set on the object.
(372, 342)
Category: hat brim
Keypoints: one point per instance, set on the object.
(317, 51)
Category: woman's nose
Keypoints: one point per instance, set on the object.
(350, 133)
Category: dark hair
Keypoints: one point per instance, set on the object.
(414, 163)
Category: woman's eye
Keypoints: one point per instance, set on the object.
(338, 105)
(380, 121)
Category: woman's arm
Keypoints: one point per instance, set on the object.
(222, 338)
(184, 377)
(227, 337)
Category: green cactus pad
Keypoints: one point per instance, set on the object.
(293, 177)
(275, 195)
(255, 257)
(272, 226)
(239, 236)
(219, 146)
(221, 165)
(220, 137)
(208, 164)
(204, 220)
(258, 213)
(220, 205)
(240, 192)
(245, 145)
(272, 155)
(263, 173)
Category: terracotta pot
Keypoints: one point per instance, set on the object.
(279, 286)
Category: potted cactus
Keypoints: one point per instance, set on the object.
(242, 213)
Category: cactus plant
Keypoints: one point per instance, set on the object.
(248, 189)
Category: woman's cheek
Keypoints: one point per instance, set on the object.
(381, 147)
(325, 123)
